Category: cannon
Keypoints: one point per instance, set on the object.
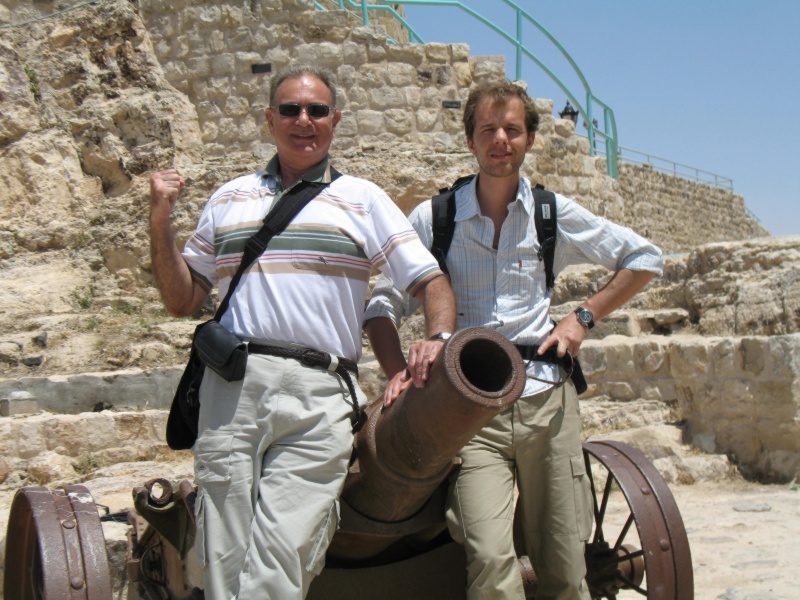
(393, 541)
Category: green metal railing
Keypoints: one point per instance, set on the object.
(670, 167)
(608, 132)
(603, 141)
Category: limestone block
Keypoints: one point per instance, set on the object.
(426, 119)
(370, 121)
(354, 54)
(236, 107)
(652, 357)
(566, 128)
(755, 351)
(437, 53)
(620, 390)
(371, 76)
(400, 75)
(228, 130)
(325, 54)
(411, 54)
(357, 98)
(780, 465)
(376, 52)
(399, 121)
(784, 356)
(547, 127)
(210, 131)
(488, 68)
(463, 74)
(558, 149)
(568, 186)
(18, 403)
(51, 469)
(442, 142)
(27, 438)
(459, 52)
(241, 39)
(332, 18)
(413, 97)
(693, 469)
(347, 127)
(384, 98)
(619, 357)
(690, 359)
(544, 107)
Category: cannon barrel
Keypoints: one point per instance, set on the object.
(405, 452)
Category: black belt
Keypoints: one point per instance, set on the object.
(550, 356)
(317, 358)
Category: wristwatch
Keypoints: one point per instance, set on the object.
(585, 317)
(442, 335)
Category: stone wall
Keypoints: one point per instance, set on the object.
(738, 396)
(682, 214)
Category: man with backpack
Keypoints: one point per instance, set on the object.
(497, 264)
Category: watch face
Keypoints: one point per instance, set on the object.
(584, 316)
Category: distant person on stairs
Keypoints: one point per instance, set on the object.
(496, 266)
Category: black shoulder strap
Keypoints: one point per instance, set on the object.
(443, 220)
(286, 209)
(545, 218)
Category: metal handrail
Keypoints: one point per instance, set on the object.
(609, 131)
(670, 167)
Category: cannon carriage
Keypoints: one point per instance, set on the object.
(392, 542)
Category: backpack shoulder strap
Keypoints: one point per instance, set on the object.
(443, 220)
(545, 218)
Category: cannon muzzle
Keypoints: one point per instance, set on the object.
(405, 452)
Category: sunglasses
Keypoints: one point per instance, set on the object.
(315, 110)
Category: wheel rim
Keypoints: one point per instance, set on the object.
(639, 549)
(55, 549)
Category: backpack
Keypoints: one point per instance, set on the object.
(443, 221)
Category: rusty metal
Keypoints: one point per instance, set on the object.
(404, 453)
(55, 549)
(660, 553)
(160, 564)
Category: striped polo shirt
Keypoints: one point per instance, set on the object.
(309, 286)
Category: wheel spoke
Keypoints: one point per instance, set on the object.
(624, 532)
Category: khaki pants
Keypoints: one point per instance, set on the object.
(535, 445)
(270, 464)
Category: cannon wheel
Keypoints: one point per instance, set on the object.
(55, 549)
(653, 559)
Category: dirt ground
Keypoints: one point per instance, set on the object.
(744, 537)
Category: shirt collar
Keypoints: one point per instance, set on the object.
(467, 201)
(319, 173)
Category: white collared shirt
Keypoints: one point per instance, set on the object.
(504, 289)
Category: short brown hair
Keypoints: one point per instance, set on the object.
(499, 93)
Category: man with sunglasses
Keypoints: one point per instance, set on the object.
(499, 281)
(273, 449)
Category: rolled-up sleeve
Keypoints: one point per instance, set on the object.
(587, 238)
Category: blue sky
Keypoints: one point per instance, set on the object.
(713, 84)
